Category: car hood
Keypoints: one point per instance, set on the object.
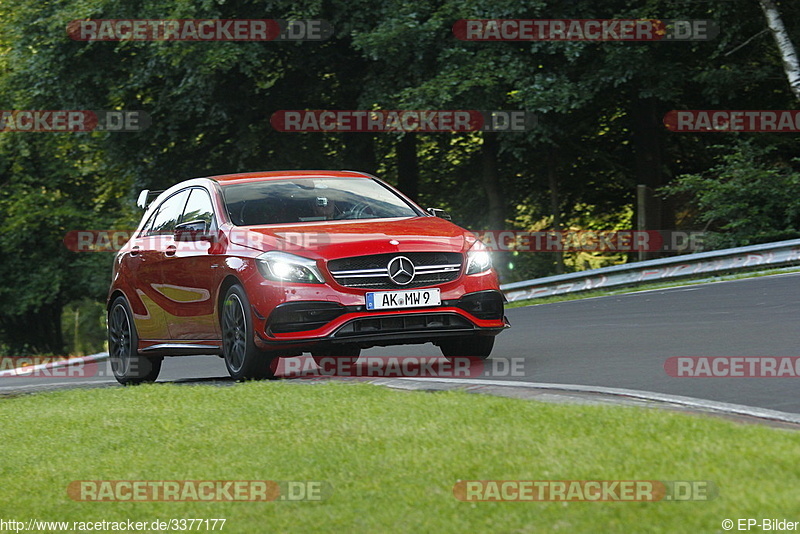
(342, 239)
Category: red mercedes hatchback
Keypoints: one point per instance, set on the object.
(258, 266)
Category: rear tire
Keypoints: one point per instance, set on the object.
(474, 346)
(242, 358)
(128, 365)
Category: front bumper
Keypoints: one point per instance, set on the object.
(305, 323)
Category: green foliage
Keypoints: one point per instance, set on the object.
(599, 107)
(84, 325)
(749, 196)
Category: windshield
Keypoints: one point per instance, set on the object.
(312, 199)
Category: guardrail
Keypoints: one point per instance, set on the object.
(769, 254)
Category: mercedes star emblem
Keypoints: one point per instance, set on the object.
(401, 270)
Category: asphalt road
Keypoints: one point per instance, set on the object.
(618, 341)
(623, 341)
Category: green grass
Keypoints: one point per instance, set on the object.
(392, 458)
(624, 290)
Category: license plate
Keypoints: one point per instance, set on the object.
(413, 298)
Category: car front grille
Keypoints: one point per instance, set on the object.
(372, 272)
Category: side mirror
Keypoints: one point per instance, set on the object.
(192, 231)
(144, 197)
(142, 200)
(442, 214)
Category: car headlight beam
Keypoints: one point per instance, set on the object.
(478, 261)
(284, 267)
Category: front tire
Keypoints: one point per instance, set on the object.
(242, 358)
(128, 365)
(474, 346)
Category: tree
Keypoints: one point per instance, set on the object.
(785, 46)
(599, 107)
(750, 196)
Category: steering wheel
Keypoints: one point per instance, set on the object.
(356, 211)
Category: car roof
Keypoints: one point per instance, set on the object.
(244, 177)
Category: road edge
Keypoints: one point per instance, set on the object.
(565, 392)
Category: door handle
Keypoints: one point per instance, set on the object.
(170, 250)
(135, 251)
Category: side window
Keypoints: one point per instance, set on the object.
(149, 224)
(168, 214)
(198, 208)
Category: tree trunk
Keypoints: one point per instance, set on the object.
(491, 183)
(649, 165)
(496, 213)
(407, 166)
(791, 66)
(555, 203)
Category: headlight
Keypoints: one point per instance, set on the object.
(478, 259)
(283, 267)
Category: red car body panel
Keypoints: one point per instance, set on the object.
(174, 288)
